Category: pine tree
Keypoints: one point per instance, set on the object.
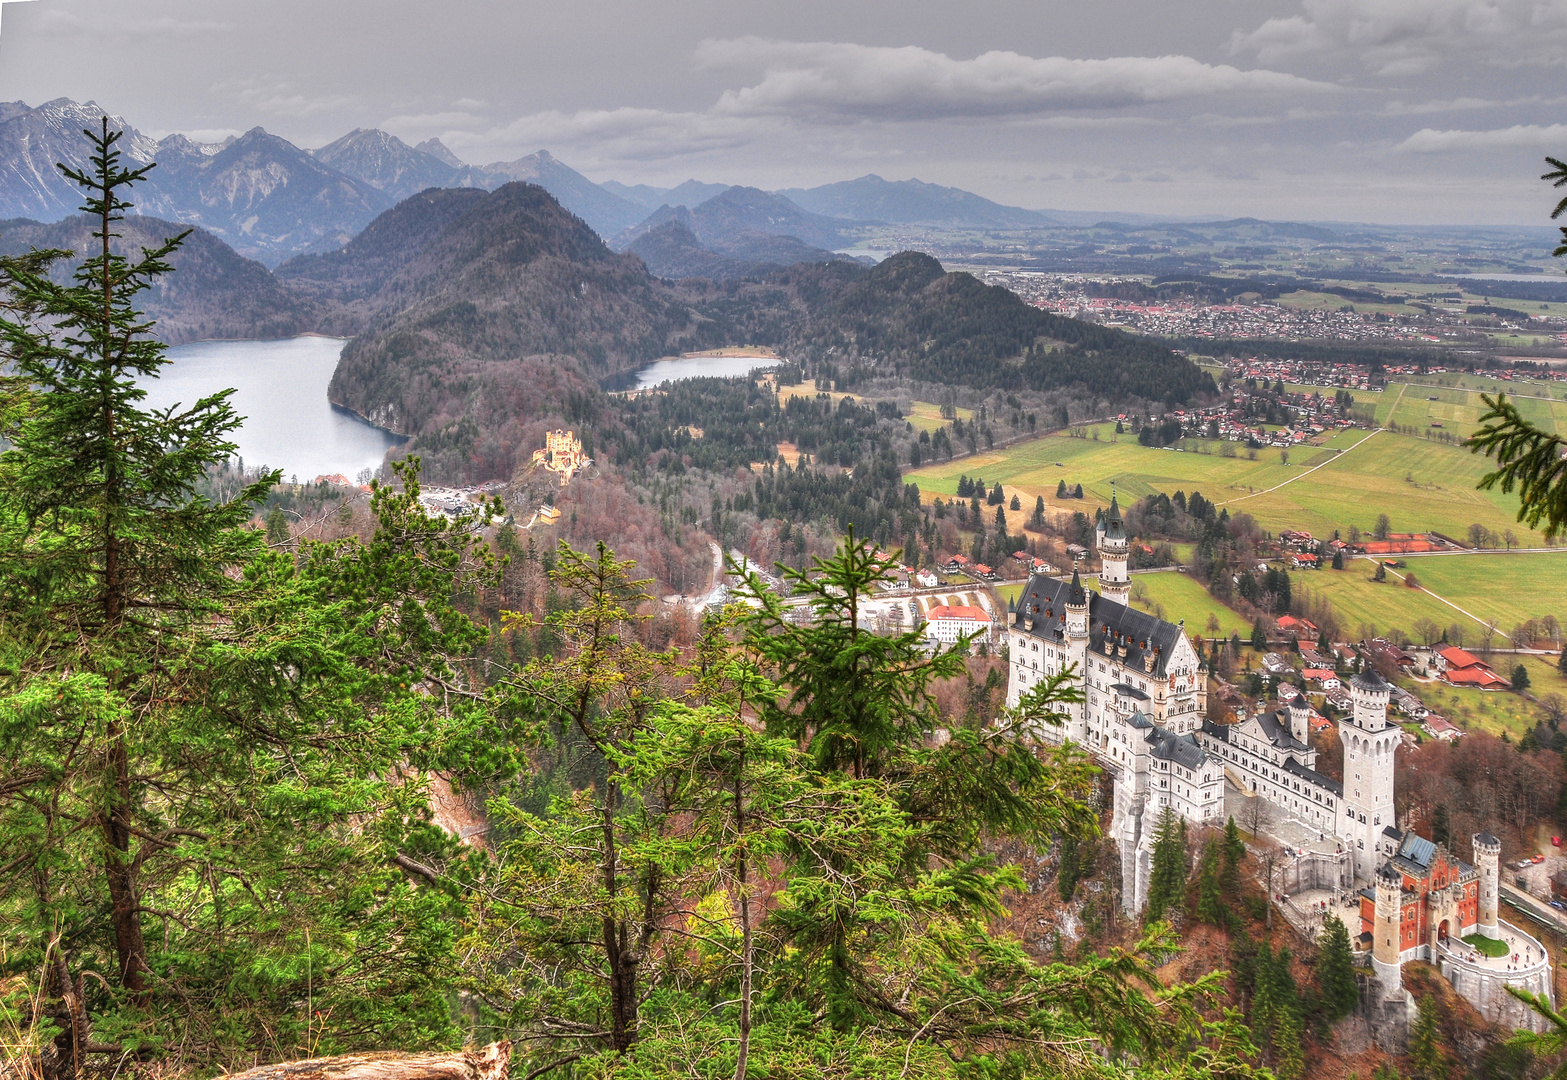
(1288, 1056)
(1210, 899)
(1425, 1045)
(277, 528)
(1520, 677)
(1061, 489)
(1167, 877)
(1336, 970)
(1039, 511)
(233, 731)
(1441, 829)
(1259, 638)
(1234, 852)
(1561, 661)
(1067, 874)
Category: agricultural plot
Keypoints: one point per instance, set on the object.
(1419, 484)
(1379, 606)
(1507, 588)
(1177, 596)
(1457, 410)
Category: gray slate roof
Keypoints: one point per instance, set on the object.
(1046, 598)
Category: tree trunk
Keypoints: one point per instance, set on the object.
(492, 1062)
(745, 932)
(119, 869)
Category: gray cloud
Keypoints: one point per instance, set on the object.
(1545, 137)
(1408, 37)
(846, 79)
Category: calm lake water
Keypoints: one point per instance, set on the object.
(698, 367)
(280, 390)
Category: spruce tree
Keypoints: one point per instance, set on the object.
(1336, 970)
(202, 731)
(1259, 638)
(1067, 874)
(1210, 897)
(1441, 828)
(1425, 1043)
(1167, 877)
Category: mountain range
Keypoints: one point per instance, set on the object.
(271, 200)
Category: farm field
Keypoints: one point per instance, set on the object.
(1387, 605)
(1421, 485)
(1177, 596)
(1507, 588)
(1457, 411)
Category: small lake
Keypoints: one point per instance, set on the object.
(698, 367)
(280, 390)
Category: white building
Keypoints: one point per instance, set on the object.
(947, 623)
(1143, 718)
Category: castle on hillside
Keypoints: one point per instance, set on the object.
(563, 454)
(1143, 718)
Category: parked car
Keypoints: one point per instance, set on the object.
(1537, 859)
(1556, 841)
(1522, 864)
(1558, 905)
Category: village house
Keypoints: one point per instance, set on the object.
(1462, 668)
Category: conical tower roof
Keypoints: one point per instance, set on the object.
(1076, 595)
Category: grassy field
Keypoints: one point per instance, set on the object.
(1419, 484)
(1507, 588)
(1387, 605)
(1176, 596)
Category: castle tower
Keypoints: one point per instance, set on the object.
(1300, 721)
(1077, 609)
(1488, 855)
(1369, 742)
(1110, 539)
(1386, 942)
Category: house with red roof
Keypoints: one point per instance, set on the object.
(1289, 624)
(946, 623)
(1462, 668)
(1327, 678)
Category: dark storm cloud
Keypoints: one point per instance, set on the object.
(1425, 110)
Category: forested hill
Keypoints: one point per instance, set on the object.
(512, 275)
(217, 293)
(910, 315)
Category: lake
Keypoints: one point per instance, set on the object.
(698, 367)
(280, 390)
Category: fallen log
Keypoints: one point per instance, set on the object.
(491, 1062)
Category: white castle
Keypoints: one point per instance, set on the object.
(1143, 718)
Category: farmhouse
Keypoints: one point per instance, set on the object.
(1462, 668)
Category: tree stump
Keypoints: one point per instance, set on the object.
(491, 1062)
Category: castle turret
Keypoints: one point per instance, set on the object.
(1488, 857)
(1110, 537)
(1300, 720)
(1386, 940)
(1077, 608)
(1369, 743)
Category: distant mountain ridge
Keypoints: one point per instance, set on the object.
(912, 202)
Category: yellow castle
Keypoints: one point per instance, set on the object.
(563, 454)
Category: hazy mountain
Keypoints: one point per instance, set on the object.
(437, 149)
(671, 248)
(215, 293)
(912, 202)
(604, 211)
(512, 275)
(264, 196)
(387, 163)
(691, 194)
(33, 140)
(739, 211)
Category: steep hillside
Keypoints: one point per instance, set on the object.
(910, 315)
(215, 293)
(387, 163)
(912, 202)
(355, 274)
(33, 140)
(514, 275)
(672, 250)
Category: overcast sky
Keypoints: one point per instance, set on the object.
(1374, 110)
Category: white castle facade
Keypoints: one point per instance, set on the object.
(1143, 717)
